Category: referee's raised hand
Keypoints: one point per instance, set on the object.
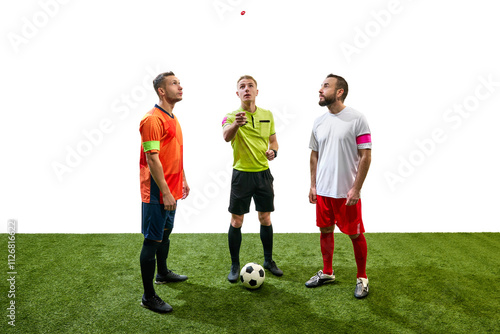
(240, 118)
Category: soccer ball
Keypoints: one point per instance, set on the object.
(252, 275)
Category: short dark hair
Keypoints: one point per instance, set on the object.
(158, 81)
(246, 77)
(341, 84)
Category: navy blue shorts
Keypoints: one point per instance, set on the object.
(155, 219)
(248, 185)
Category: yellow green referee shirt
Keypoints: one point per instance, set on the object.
(252, 139)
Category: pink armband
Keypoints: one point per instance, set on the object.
(363, 139)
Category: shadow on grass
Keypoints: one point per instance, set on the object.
(268, 309)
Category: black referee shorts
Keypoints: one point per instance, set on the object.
(245, 185)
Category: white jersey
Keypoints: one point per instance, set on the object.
(337, 138)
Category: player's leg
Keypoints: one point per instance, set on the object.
(234, 241)
(147, 260)
(266, 236)
(165, 275)
(327, 242)
(351, 223)
(360, 253)
(162, 253)
(264, 204)
(325, 220)
(153, 223)
(239, 204)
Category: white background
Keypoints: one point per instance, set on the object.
(74, 70)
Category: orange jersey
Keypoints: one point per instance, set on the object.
(161, 133)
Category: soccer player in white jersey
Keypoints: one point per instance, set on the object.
(340, 159)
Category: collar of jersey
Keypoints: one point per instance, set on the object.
(340, 112)
(251, 113)
(157, 106)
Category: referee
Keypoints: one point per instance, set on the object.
(250, 130)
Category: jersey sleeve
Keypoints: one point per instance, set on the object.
(363, 134)
(273, 129)
(313, 142)
(228, 119)
(151, 133)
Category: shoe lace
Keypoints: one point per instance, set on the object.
(360, 282)
(157, 300)
(318, 275)
(172, 274)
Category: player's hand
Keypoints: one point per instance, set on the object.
(241, 118)
(169, 202)
(352, 197)
(185, 190)
(312, 195)
(270, 155)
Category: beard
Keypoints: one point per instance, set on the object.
(327, 101)
(175, 99)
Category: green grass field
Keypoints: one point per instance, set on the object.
(419, 283)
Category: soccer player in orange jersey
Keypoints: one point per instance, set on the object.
(163, 182)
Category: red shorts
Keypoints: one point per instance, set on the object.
(330, 211)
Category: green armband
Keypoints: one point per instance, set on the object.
(151, 145)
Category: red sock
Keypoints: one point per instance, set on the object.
(360, 251)
(327, 245)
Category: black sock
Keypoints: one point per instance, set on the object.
(162, 253)
(234, 239)
(148, 262)
(266, 236)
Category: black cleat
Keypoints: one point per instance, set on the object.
(234, 274)
(169, 277)
(156, 304)
(273, 268)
